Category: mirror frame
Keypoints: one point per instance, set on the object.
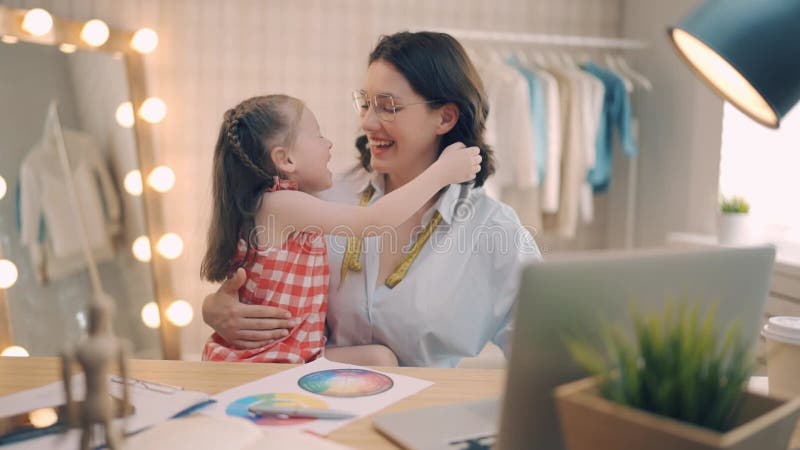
(118, 44)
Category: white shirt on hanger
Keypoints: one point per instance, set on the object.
(44, 195)
(581, 100)
(508, 127)
(593, 92)
(551, 185)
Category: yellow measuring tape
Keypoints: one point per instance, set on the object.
(352, 255)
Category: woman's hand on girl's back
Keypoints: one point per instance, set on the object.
(458, 163)
(244, 326)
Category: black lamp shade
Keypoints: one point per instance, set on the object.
(748, 51)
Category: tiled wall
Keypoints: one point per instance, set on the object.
(214, 53)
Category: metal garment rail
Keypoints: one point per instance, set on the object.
(544, 39)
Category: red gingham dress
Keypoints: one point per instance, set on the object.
(293, 277)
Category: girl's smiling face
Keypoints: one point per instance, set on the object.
(310, 153)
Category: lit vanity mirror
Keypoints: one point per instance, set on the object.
(47, 303)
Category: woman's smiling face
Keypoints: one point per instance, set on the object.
(407, 145)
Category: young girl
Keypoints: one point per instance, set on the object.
(269, 157)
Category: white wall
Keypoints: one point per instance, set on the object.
(215, 53)
(680, 130)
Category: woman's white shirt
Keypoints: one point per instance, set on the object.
(458, 294)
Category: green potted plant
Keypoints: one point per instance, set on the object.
(733, 221)
(677, 384)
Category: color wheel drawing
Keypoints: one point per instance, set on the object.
(239, 407)
(346, 383)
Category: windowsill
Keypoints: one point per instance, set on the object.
(784, 290)
(787, 257)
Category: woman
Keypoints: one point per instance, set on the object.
(441, 285)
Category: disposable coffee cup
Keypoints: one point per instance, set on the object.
(783, 355)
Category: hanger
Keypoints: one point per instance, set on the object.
(622, 63)
(482, 54)
(611, 65)
(551, 60)
(538, 59)
(474, 55)
(495, 55)
(583, 58)
(503, 52)
(567, 60)
(521, 57)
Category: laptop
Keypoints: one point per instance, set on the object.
(459, 426)
(581, 292)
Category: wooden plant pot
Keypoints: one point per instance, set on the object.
(589, 421)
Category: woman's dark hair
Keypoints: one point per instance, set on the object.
(438, 69)
(242, 171)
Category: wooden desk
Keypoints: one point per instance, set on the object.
(451, 385)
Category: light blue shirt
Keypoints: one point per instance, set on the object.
(458, 294)
(538, 116)
(616, 114)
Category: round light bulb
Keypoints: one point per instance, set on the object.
(141, 249)
(68, 48)
(9, 39)
(144, 40)
(150, 315)
(95, 32)
(3, 187)
(8, 274)
(133, 183)
(43, 418)
(124, 115)
(162, 179)
(15, 351)
(153, 110)
(37, 22)
(180, 313)
(170, 246)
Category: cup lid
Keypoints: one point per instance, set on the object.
(783, 328)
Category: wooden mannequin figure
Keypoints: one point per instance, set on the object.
(95, 355)
(101, 348)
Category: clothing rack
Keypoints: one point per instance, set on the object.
(545, 39)
(576, 41)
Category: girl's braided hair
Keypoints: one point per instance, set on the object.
(242, 171)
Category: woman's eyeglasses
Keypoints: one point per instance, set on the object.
(384, 105)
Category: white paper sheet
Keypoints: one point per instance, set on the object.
(216, 433)
(285, 385)
(153, 403)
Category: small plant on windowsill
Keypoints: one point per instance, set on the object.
(677, 383)
(734, 205)
(733, 221)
